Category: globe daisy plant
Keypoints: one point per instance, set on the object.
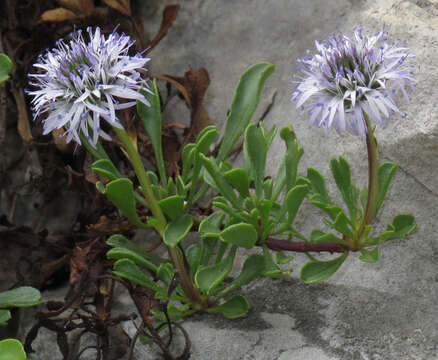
(350, 78)
(86, 80)
(352, 84)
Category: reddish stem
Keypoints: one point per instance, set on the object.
(331, 247)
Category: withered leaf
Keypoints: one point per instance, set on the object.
(107, 226)
(196, 83)
(85, 7)
(23, 117)
(58, 15)
(60, 141)
(170, 13)
(123, 6)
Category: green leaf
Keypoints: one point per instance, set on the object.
(242, 234)
(281, 259)
(234, 308)
(177, 230)
(172, 206)
(11, 349)
(121, 193)
(206, 138)
(239, 179)
(207, 229)
(193, 255)
(127, 269)
(221, 183)
(294, 198)
(318, 186)
(5, 67)
(342, 224)
(280, 180)
(23, 296)
(386, 172)
(402, 225)
(151, 116)
(187, 157)
(256, 149)
(207, 249)
(165, 273)
(5, 316)
(268, 186)
(244, 104)
(139, 257)
(315, 270)
(293, 155)
(208, 278)
(341, 173)
(370, 256)
(119, 241)
(106, 168)
(271, 269)
(252, 268)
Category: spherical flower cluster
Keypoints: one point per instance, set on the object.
(82, 82)
(348, 80)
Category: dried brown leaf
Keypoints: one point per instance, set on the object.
(60, 141)
(170, 13)
(196, 83)
(23, 117)
(85, 7)
(58, 15)
(124, 6)
(107, 226)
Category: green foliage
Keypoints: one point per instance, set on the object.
(234, 308)
(245, 102)
(11, 349)
(177, 230)
(151, 117)
(121, 193)
(23, 296)
(5, 67)
(315, 270)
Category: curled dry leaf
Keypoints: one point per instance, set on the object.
(124, 6)
(170, 13)
(84, 7)
(58, 15)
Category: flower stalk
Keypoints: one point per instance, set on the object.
(373, 181)
(186, 283)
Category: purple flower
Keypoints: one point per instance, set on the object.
(349, 78)
(81, 82)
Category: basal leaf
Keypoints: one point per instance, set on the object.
(121, 193)
(243, 235)
(315, 270)
(23, 296)
(402, 225)
(239, 179)
(151, 117)
(5, 67)
(370, 256)
(11, 349)
(256, 149)
(245, 102)
(386, 172)
(106, 168)
(127, 269)
(208, 278)
(177, 230)
(172, 206)
(234, 308)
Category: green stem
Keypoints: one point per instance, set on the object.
(373, 180)
(140, 171)
(186, 283)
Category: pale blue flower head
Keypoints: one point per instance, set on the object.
(85, 80)
(348, 78)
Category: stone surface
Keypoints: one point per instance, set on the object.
(380, 311)
(366, 311)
